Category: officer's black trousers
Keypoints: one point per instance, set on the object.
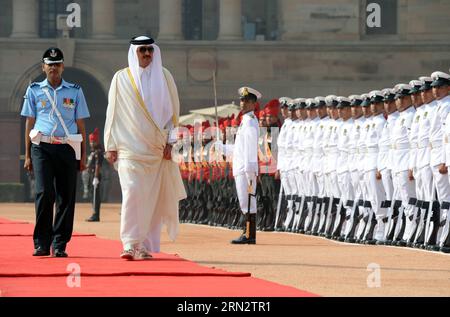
(55, 169)
(97, 199)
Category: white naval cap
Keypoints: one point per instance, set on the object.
(401, 86)
(425, 79)
(415, 83)
(387, 91)
(440, 79)
(245, 91)
(415, 86)
(300, 103)
(388, 94)
(375, 93)
(331, 100)
(355, 100)
(438, 74)
(291, 105)
(426, 83)
(376, 96)
(343, 102)
(299, 100)
(366, 100)
(284, 101)
(311, 103)
(402, 90)
(320, 101)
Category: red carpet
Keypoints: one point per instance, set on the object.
(103, 273)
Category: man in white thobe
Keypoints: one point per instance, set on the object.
(143, 108)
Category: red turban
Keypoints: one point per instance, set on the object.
(94, 136)
(272, 108)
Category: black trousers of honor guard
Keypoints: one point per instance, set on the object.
(55, 169)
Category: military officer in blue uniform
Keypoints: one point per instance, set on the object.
(54, 111)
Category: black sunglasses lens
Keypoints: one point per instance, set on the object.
(143, 49)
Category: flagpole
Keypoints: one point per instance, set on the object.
(215, 104)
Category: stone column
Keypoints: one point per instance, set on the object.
(230, 27)
(25, 15)
(170, 20)
(104, 19)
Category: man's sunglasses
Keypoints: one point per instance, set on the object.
(143, 49)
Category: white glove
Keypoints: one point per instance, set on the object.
(95, 182)
(219, 146)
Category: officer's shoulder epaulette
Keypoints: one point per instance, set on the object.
(76, 86)
(34, 84)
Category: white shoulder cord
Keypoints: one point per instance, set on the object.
(58, 114)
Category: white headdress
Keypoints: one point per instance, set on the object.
(155, 92)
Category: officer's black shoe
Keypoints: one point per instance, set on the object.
(40, 251)
(401, 243)
(445, 249)
(433, 248)
(58, 253)
(341, 239)
(350, 240)
(93, 218)
(371, 242)
(243, 240)
(379, 242)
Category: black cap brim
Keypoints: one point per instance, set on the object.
(365, 103)
(440, 82)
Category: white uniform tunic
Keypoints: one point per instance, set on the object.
(318, 154)
(374, 186)
(423, 170)
(354, 157)
(245, 160)
(439, 113)
(400, 140)
(385, 154)
(343, 162)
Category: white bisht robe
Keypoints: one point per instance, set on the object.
(151, 186)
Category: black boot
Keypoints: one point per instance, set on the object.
(94, 218)
(249, 234)
(431, 242)
(445, 247)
